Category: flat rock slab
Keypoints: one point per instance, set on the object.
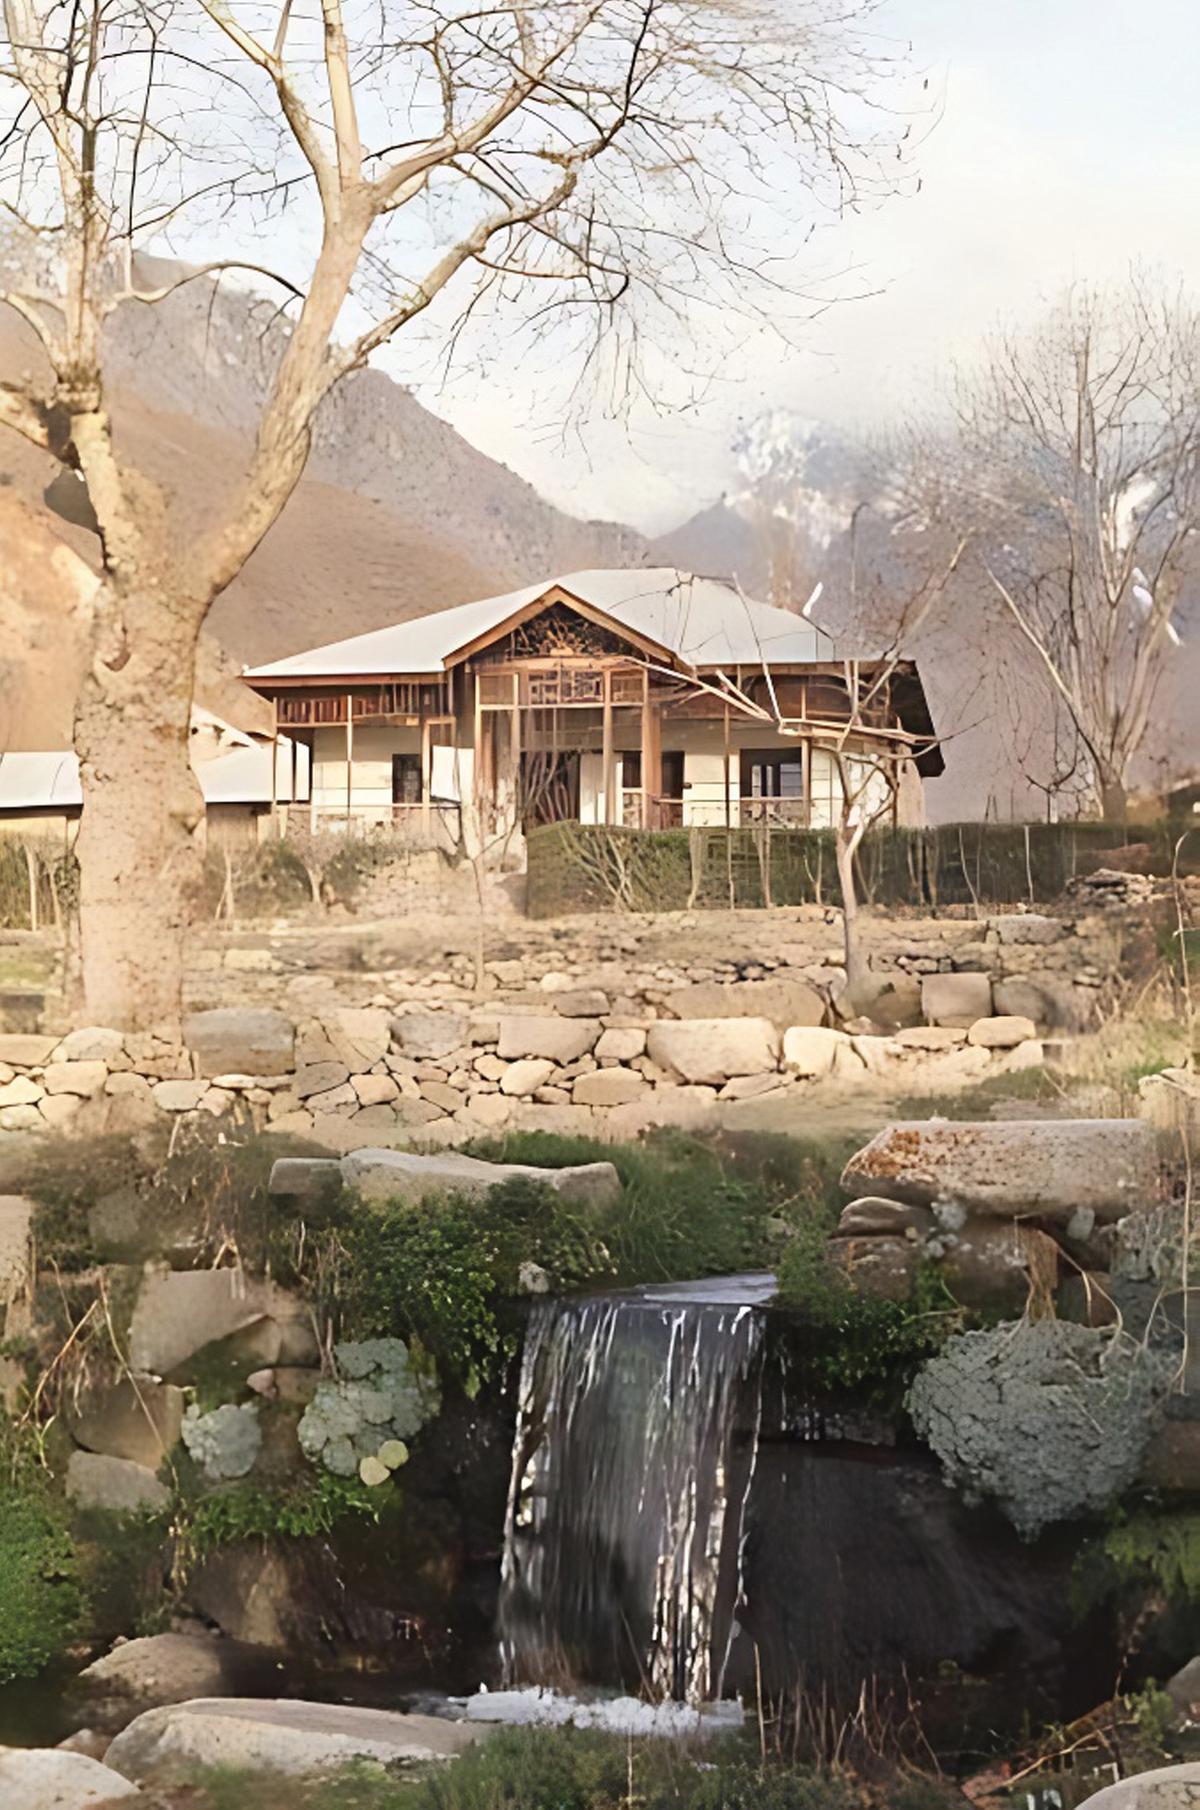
(47, 1778)
(1045, 1168)
(714, 1050)
(405, 1176)
(178, 1312)
(1167, 1788)
(117, 1485)
(298, 1738)
(250, 1040)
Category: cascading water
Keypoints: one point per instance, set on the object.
(637, 1436)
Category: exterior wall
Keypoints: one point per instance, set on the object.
(700, 741)
(59, 827)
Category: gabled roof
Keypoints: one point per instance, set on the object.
(700, 622)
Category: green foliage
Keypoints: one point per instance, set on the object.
(569, 1769)
(442, 1274)
(41, 1602)
(687, 1207)
(196, 1190)
(852, 1340)
(246, 1511)
(1154, 1712)
(1149, 1549)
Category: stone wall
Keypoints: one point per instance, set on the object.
(575, 1038)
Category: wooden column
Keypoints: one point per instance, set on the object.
(725, 770)
(477, 733)
(607, 770)
(426, 774)
(349, 757)
(294, 798)
(275, 765)
(651, 756)
(806, 779)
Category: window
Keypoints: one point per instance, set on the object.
(770, 774)
(406, 779)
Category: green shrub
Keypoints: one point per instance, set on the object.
(41, 1603)
(247, 1511)
(852, 1340)
(443, 1275)
(1157, 1550)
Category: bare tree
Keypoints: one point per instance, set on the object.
(1074, 465)
(609, 161)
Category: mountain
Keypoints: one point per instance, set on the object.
(397, 514)
(787, 526)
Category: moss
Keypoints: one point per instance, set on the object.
(308, 1509)
(41, 1599)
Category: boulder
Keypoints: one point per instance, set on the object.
(1052, 1001)
(360, 1035)
(784, 1000)
(559, 1040)
(1044, 1168)
(1166, 1788)
(582, 1002)
(933, 1039)
(877, 1266)
(608, 1087)
(956, 999)
(172, 1743)
(159, 1668)
(621, 1043)
(403, 1175)
(809, 1050)
(1026, 927)
(81, 1078)
(117, 1484)
(1172, 1460)
(1184, 1689)
(713, 1050)
(90, 1043)
(16, 1218)
(426, 1035)
(135, 1417)
(319, 1078)
(251, 1040)
(311, 1178)
(49, 1778)
(374, 1090)
(22, 1090)
(24, 1050)
(891, 1001)
(1002, 1033)
(178, 1096)
(178, 1312)
(990, 1264)
(524, 1077)
(873, 1216)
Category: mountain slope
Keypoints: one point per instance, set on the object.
(397, 515)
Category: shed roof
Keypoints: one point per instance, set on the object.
(50, 781)
(703, 622)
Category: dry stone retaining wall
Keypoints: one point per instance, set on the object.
(568, 1039)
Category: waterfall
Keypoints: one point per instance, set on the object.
(636, 1441)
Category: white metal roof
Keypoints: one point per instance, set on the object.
(705, 622)
(50, 781)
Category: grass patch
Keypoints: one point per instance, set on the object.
(1036, 1085)
(569, 1769)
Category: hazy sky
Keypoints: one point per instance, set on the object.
(1068, 144)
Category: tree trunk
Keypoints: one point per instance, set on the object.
(1114, 801)
(854, 956)
(138, 845)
